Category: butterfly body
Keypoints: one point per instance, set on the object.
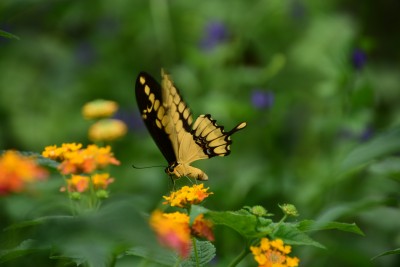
(170, 123)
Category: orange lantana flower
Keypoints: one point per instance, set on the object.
(17, 170)
(75, 160)
(172, 230)
(203, 228)
(78, 183)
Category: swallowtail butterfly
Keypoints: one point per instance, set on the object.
(170, 123)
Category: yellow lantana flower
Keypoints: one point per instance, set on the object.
(107, 130)
(273, 254)
(57, 153)
(101, 180)
(187, 196)
(99, 109)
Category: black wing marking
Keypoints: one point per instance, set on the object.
(150, 102)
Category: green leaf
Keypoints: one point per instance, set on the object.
(195, 211)
(387, 166)
(310, 225)
(205, 253)
(243, 222)
(26, 247)
(39, 158)
(291, 235)
(79, 261)
(8, 35)
(39, 221)
(350, 209)
(384, 144)
(389, 252)
(163, 257)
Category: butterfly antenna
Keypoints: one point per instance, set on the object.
(147, 167)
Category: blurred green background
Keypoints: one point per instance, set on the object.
(313, 80)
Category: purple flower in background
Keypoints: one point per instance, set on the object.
(355, 135)
(358, 58)
(262, 99)
(131, 118)
(367, 134)
(215, 33)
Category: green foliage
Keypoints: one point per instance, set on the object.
(389, 252)
(8, 35)
(316, 81)
(205, 252)
(383, 145)
(246, 224)
(24, 249)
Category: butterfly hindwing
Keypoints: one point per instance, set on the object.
(211, 137)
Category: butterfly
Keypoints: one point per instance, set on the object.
(170, 123)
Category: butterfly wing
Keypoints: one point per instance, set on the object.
(208, 140)
(165, 114)
(150, 101)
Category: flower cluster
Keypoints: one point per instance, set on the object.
(187, 196)
(76, 160)
(174, 229)
(80, 183)
(273, 254)
(105, 129)
(57, 153)
(83, 165)
(16, 171)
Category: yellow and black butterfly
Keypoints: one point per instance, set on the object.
(169, 121)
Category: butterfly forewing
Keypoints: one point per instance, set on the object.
(149, 97)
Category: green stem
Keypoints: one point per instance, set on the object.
(93, 199)
(196, 256)
(279, 223)
(113, 261)
(239, 258)
(71, 203)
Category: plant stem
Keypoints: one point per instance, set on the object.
(196, 256)
(279, 223)
(239, 258)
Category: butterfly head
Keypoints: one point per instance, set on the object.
(178, 170)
